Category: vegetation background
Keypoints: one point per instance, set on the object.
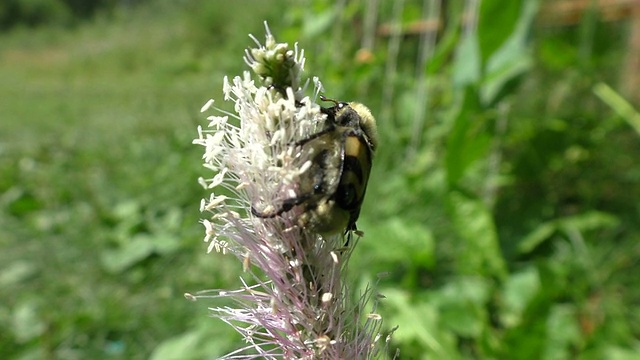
(504, 202)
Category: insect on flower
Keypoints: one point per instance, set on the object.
(338, 162)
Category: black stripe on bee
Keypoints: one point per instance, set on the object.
(352, 164)
(354, 177)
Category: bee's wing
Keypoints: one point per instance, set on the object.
(319, 162)
(356, 167)
(323, 155)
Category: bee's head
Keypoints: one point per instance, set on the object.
(354, 115)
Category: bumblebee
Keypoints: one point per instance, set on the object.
(330, 192)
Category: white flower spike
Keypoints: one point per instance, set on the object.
(298, 306)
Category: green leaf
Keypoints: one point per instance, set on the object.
(473, 222)
(541, 233)
(461, 304)
(467, 64)
(613, 352)
(319, 23)
(518, 291)
(618, 104)
(563, 332)
(512, 59)
(17, 272)
(420, 323)
(137, 249)
(444, 47)
(27, 323)
(591, 220)
(176, 348)
(411, 241)
(497, 20)
(205, 340)
(466, 142)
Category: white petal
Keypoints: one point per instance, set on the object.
(216, 201)
(217, 180)
(206, 106)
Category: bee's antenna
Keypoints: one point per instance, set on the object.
(324, 98)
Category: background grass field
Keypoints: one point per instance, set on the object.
(503, 203)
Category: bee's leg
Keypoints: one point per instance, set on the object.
(349, 236)
(316, 188)
(269, 214)
(287, 205)
(350, 231)
(330, 127)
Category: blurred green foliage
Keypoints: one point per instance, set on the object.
(503, 204)
(35, 13)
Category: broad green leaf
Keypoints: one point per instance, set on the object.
(445, 46)
(512, 58)
(419, 322)
(498, 77)
(319, 23)
(196, 344)
(411, 242)
(563, 332)
(204, 340)
(497, 20)
(467, 64)
(517, 293)
(17, 272)
(27, 323)
(465, 289)
(177, 347)
(466, 142)
(480, 254)
(397, 241)
(620, 353)
(461, 304)
(130, 253)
